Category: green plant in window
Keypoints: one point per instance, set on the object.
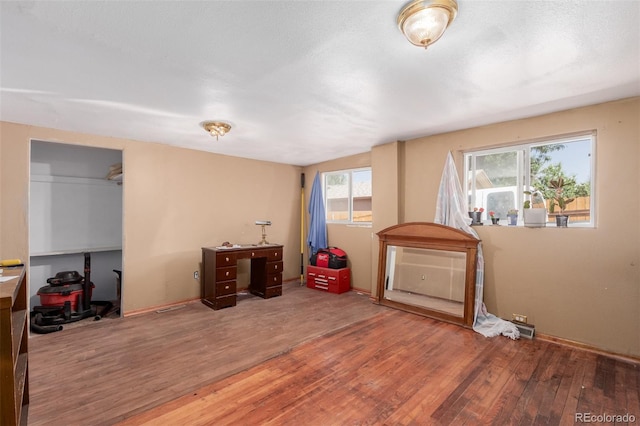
(559, 197)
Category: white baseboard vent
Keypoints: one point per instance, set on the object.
(526, 330)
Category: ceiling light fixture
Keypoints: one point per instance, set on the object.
(216, 128)
(424, 22)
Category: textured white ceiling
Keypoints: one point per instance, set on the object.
(305, 81)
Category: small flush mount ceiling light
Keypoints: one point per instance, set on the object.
(216, 128)
(424, 22)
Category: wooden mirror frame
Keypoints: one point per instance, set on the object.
(433, 236)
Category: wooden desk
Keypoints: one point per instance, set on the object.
(219, 272)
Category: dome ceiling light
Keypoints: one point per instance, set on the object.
(216, 128)
(424, 22)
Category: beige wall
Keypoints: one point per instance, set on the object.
(578, 284)
(175, 202)
(388, 196)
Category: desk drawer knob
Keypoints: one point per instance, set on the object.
(227, 259)
(275, 278)
(252, 254)
(276, 267)
(227, 273)
(226, 287)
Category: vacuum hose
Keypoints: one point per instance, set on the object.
(45, 329)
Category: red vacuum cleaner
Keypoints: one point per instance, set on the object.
(67, 298)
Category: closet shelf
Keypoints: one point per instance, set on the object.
(72, 180)
(75, 251)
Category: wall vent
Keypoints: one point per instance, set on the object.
(526, 330)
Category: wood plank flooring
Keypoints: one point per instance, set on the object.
(372, 365)
(401, 369)
(98, 373)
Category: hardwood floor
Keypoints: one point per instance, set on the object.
(98, 373)
(398, 368)
(381, 366)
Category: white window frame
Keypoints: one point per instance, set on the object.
(524, 172)
(350, 173)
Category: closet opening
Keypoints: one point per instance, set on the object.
(75, 216)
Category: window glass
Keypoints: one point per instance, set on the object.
(362, 196)
(337, 196)
(570, 161)
(348, 196)
(495, 186)
(497, 179)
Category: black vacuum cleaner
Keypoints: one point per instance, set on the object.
(67, 298)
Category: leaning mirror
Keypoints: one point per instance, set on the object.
(428, 269)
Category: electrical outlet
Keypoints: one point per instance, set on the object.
(519, 317)
(196, 275)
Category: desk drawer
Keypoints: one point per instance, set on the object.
(274, 267)
(226, 274)
(225, 259)
(255, 253)
(273, 280)
(274, 254)
(225, 288)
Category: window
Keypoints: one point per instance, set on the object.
(347, 196)
(496, 179)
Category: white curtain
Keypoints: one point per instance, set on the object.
(452, 210)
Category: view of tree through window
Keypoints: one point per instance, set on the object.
(497, 179)
(548, 164)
